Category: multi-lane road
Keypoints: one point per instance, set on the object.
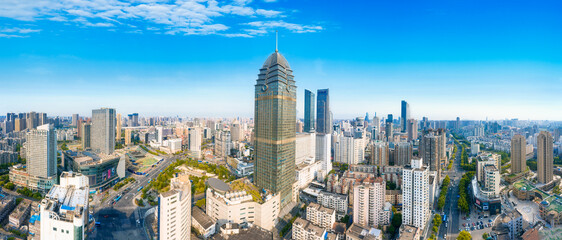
(124, 220)
(450, 229)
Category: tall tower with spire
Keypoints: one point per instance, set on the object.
(275, 132)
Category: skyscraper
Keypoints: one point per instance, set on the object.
(41, 152)
(275, 116)
(412, 128)
(368, 202)
(308, 111)
(415, 194)
(75, 119)
(194, 141)
(323, 118)
(118, 128)
(86, 136)
(518, 154)
(429, 151)
(545, 158)
(103, 130)
(405, 115)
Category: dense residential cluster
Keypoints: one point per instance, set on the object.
(276, 176)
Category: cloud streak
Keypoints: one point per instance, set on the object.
(182, 17)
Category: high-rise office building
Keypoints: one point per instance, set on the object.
(415, 194)
(323, 114)
(405, 115)
(545, 157)
(323, 152)
(309, 111)
(75, 119)
(41, 152)
(64, 210)
(86, 136)
(275, 116)
(31, 121)
(518, 154)
(389, 131)
(103, 130)
(134, 120)
(174, 210)
(118, 128)
(128, 136)
(194, 141)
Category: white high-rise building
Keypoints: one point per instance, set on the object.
(174, 210)
(474, 148)
(368, 204)
(320, 216)
(194, 141)
(415, 194)
(103, 130)
(349, 150)
(305, 147)
(160, 133)
(236, 131)
(323, 152)
(41, 152)
(64, 210)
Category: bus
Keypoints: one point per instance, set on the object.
(140, 188)
(445, 218)
(117, 198)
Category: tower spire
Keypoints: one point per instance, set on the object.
(276, 40)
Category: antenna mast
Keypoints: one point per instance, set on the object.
(276, 40)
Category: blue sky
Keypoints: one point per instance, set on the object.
(473, 59)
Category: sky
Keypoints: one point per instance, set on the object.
(467, 58)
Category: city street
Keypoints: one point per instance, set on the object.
(450, 228)
(124, 220)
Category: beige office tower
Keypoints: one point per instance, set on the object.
(118, 129)
(174, 210)
(103, 130)
(544, 157)
(128, 136)
(412, 127)
(41, 152)
(518, 153)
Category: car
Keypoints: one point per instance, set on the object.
(464, 224)
(489, 220)
(486, 216)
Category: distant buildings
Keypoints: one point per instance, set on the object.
(323, 152)
(349, 150)
(103, 130)
(518, 154)
(194, 141)
(223, 144)
(118, 128)
(403, 153)
(545, 158)
(64, 210)
(412, 129)
(415, 194)
(86, 136)
(174, 210)
(405, 116)
(309, 118)
(380, 153)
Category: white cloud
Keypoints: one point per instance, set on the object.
(268, 13)
(2, 35)
(200, 17)
(19, 30)
(270, 1)
(293, 27)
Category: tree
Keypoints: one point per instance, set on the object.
(485, 236)
(464, 235)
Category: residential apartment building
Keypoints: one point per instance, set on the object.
(415, 194)
(174, 210)
(320, 215)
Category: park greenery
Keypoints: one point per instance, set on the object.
(201, 202)
(395, 224)
(464, 160)
(532, 164)
(28, 193)
(148, 151)
(464, 200)
(443, 192)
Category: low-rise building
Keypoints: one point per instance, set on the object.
(102, 170)
(307, 171)
(233, 231)
(20, 214)
(339, 202)
(320, 216)
(21, 178)
(202, 222)
(359, 232)
(305, 230)
(7, 204)
(408, 232)
(241, 202)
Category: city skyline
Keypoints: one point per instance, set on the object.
(426, 54)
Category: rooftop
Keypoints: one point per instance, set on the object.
(408, 232)
(67, 201)
(86, 158)
(21, 209)
(309, 227)
(218, 184)
(357, 231)
(253, 233)
(202, 218)
(320, 208)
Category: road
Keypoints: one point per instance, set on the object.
(124, 220)
(451, 228)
